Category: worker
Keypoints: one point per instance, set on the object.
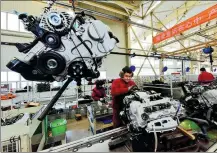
(205, 77)
(98, 93)
(120, 88)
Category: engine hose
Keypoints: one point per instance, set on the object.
(83, 42)
(208, 116)
(208, 104)
(178, 109)
(86, 15)
(156, 140)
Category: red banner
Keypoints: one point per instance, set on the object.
(207, 15)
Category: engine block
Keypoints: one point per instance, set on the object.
(201, 101)
(150, 111)
(65, 45)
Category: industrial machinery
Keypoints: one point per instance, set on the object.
(66, 47)
(149, 115)
(152, 124)
(200, 101)
(72, 47)
(147, 110)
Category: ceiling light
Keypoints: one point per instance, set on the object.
(154, 6)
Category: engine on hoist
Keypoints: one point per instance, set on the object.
(149, 111)
(200, 101)
(65, 45)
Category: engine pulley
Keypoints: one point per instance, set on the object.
(54, 19)
(52, 40)
(51, 63)
(76, 69)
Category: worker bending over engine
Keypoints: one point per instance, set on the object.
(98, 93)
(120, 88)
(205, 77)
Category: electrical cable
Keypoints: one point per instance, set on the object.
(83, 42)
(155, 138)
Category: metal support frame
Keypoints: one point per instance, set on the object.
(206, 36)
(167, 29)
(144, 53)
(128, 44)
(147, 10)
(125, 5)
(148, 50)
(110, 17)
(161, 65)
(146, 14)
(188, 35)
(107, 8)
(181, 10)
(193, 48)
(159, 51)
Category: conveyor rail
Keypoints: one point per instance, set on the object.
(87, 142)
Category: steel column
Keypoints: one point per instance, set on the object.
(128, 44)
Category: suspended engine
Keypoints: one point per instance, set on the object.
(65, 45)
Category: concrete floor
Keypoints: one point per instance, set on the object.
(77, 129)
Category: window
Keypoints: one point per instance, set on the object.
(13, 22)
(136, 61)
(10, 21)
(3, 76)
(3, 20)
(14, 85)
(23, 84)
(168, 62)
(146, 71)
(13, 76)
(22, 28)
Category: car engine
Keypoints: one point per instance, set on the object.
(201, 101)
(65, 45)
(148, 110)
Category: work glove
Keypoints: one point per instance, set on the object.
(101, 99)
(132, 88)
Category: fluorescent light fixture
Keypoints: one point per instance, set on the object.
(154, 6)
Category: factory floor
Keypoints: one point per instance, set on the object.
(78, 129)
